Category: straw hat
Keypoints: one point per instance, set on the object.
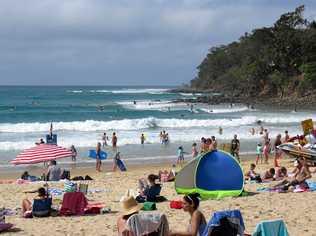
(130, 206)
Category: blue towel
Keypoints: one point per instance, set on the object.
(271, 228)
(215, 220)
(311, 185)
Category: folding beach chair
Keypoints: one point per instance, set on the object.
(148, 224)
(271, 228)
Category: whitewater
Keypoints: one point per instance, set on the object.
(80, 115)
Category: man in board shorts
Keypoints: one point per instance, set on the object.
(234, 148)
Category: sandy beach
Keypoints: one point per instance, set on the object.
(296, 209)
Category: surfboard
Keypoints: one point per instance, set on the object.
(93, 154)
(121, 165)
(296, 151)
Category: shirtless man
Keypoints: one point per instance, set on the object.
(301, 174)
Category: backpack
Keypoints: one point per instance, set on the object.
(226, 228)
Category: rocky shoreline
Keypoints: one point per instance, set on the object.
(293, 102)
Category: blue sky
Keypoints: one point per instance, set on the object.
(122, 42)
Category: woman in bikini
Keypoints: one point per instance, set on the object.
(197, 223)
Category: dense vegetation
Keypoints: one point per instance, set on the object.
(274, 61)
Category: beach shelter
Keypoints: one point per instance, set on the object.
(213, 174)
(41, 153)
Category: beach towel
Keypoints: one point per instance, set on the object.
(5, 226)
(234, 216)
(311, 185)
(146, 223)
(55, 192)
(70, 186)
(271, 228)
(73, 204)
(94, 208)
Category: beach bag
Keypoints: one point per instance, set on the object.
(70, 187)
(41, 207)
(65, 175)
(149, 206)
(176, 204)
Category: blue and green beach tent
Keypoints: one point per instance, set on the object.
(213, 174)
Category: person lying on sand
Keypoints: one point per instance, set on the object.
(281, 173)
(300, 174)
(149, 191)
(197, 222)
(269, 174)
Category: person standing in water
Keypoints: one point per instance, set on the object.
(98, 157)
(142, 139)
(104, 140)
(73, 153)
(114, 140)
(220, 130)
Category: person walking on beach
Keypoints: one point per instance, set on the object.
(234, 148)
(114, 140)
(98, 157)
(115, 160)
(104, 140)
(142, 139)
(277, 151)
(180, 154)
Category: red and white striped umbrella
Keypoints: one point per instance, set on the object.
(41, 153)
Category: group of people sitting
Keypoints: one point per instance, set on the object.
(52, 173)
(297, 177)
(208, 144)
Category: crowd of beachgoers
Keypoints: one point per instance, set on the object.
(148, 192)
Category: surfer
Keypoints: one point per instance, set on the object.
(134, 102)
(98, 157)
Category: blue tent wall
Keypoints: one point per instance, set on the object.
(218, 170)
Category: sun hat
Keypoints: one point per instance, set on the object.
(130, 206)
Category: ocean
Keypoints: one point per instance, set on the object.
(81, 114)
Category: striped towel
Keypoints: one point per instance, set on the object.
(70, 186)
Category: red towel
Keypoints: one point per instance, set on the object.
(94, 207)
(73, 204)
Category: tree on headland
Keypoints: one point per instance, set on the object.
(270, 61)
